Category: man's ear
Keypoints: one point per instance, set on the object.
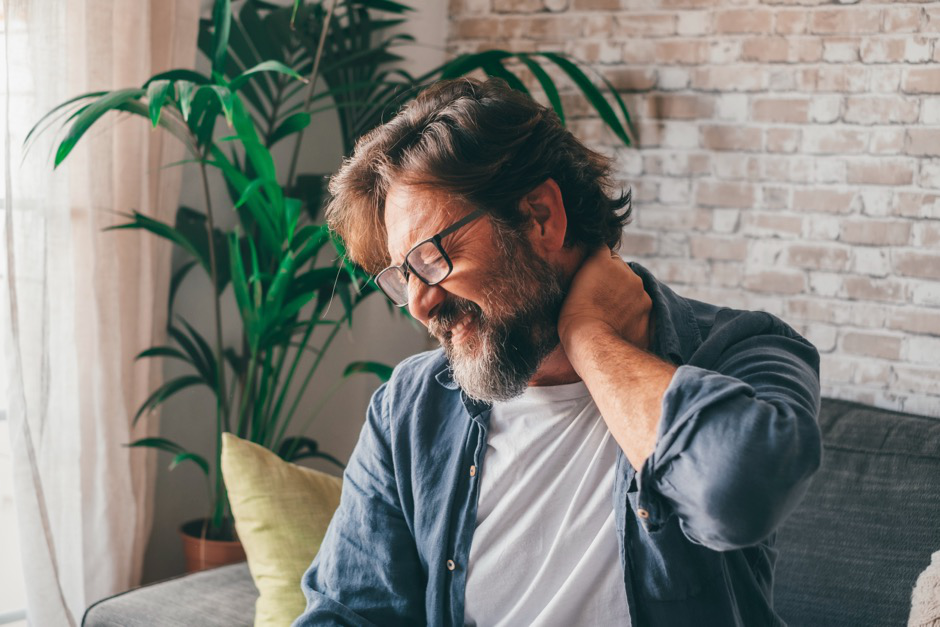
(549, 222)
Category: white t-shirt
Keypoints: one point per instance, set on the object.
(545, 548)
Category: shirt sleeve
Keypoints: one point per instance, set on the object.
(367, 571)
(738, 439)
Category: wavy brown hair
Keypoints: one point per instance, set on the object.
(489, 146)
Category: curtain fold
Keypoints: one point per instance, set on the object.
(77, 303)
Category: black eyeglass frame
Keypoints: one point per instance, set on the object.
(436, 240)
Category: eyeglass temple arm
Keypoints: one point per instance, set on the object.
(467, 219)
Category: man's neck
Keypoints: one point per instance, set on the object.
(557, 370)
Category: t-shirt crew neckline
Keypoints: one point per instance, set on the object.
(551, 393)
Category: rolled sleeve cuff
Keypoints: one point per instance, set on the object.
(690, 390)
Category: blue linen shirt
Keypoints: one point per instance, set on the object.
(736, 446)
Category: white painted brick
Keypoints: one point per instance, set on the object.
(724, 51)
(922, 349)
(825, 109)
(766, 252)
(829, 170)
(726, 220)
(930, 110)
(876, 201)
(825, 283)
(732, 107)
(781, 79)
(823, 336)
(840, 51)
(871, 261)
(672, 244)
(825, 227)
(917, 50)
(629, 162)
(885, 80)
(680, 135)
(929, 175)
(673, 78)
(676, 192)
(925, 293)
(923, 404)
(693, 23)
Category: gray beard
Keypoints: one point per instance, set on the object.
(501, 356)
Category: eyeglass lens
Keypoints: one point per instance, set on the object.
(425, 260)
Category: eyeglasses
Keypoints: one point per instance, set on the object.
(426, 260)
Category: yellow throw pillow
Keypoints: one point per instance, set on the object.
(281, 514)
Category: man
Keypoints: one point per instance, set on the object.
(588, 448)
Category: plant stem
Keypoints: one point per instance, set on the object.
(210, 235)
(313, 368)
(313, 83)
(290, 374)
(249, 381)
(221, 406)
(266, 411)
(323, 401)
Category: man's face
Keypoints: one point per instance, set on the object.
(496, 313)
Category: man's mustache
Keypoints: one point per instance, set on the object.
(449, 312)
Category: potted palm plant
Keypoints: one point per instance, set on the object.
(283, 265)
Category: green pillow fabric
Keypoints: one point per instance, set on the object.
(281, 514)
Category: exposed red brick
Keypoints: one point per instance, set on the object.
(872, 344)
(921, 80)
(731, 137)
(881, 110)
(710, 247)
(743, 21)
(845, 20)
(724, 194)
(682, 107)
(635, 24)
(818, 256)
(783, 110)
(776, 281)
(876, 232)
(923, 142)
(880, 173)
(917, 264)
(825, 200)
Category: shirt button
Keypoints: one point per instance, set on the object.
(473, 471)
(451, 565)
(642, 513)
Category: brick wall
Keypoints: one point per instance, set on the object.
(788, 160)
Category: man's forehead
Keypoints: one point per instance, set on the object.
(413, 214)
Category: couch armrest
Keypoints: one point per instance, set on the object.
(223, 597)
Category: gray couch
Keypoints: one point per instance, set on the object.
(849, 556)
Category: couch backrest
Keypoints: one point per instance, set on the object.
(850, 555)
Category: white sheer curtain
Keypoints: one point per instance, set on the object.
(77, 304)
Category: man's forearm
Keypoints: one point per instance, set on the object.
(627, 384)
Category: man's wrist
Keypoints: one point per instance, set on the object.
(585, 341)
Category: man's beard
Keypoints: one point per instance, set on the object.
(501, 352)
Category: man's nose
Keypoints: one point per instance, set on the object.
(424, 299)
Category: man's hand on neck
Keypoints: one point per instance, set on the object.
(605, 329)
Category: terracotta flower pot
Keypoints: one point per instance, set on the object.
(202, 554)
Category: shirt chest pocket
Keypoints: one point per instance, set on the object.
(666, 565)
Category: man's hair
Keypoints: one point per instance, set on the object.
(488, 146)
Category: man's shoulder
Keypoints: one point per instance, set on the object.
(694, 325)
(722, 327)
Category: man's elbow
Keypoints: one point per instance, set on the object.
(747, 509)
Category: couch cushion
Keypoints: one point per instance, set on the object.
(221, 597)
(851, 553)
(281, 514)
